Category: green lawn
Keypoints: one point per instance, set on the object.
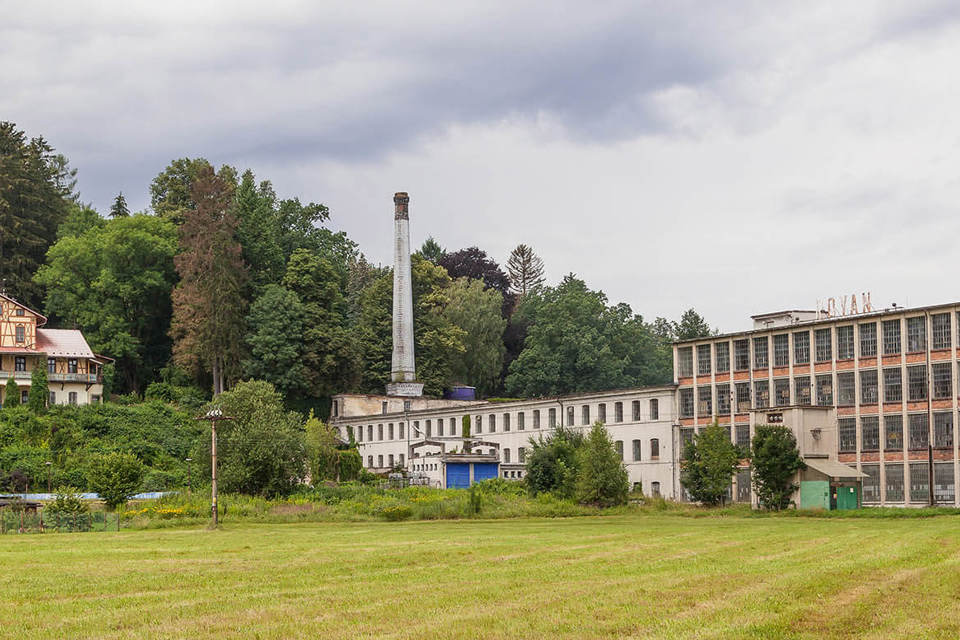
(636, 576)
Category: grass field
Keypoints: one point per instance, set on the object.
(637, 576)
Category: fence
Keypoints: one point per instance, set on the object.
(14, 519)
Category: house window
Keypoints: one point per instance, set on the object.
(335, 406)
(618, 412)
(654, 449)
(892, 385)
(891, 337)
(940, 324)
(761, 359)
(824, 345)
(703, 359)
(868, 340)
(801, 347)
(21, 333)
(943, 430)
(492, 423)
(506, 455)
(24, 396)
(71, 366)
(917, 382)
(825, 390)
(453, 426)
(742, 432)
(801, 390)
(919, 482)
(846, 389)
(585, 414)
(916, 334)
(636, 410)
(20, 363)
(536, 418)
(619, 446)
(401, 459)
(51, 365)
(847, 435)
(870, 433)
(521, 454)
(761, 394)
(743, 396)
(53, 398)
(686, 403)
(845, 343)
(360, 434)
(942, 380)
(893, 428)
(685, 362)
(868, 387)
(781, 392)
(781, 350)
(741, 354)
(72, 397)
(552, 418)
(919, 431)
(569, 416)
(704, 401)
(723, 399)
(520, 425)
(894, 473)
(602, 412)
(723, 357)
(479, 425)
(943, 482)
(637, 446)
(506, 422)
(19, 312)
(654, 409)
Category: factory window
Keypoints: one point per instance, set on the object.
(825, 390)
(440, 427)
(655, 489)
(536, 418)
(618, 412)
(943, 430)
(894, 483)
(390, 461)
(893, 428)
(569, 416)
(824, 345)
(723, 357)
(891, 337)
(761, 357)
(453, 426)
(383, 408)
(686, 437)
(19, 363)
(943, 482)
(868, 340)
(21, 337)
(602, 412)
(846, 389)
(370, 461)
(379, 432)
(743, 485)
(654, 409)
(380, 461)
(703, 359)
(686, 403)
(761, 394)
(847, 435)
(401, 431)
(369, 433)
(871, 484)
(51, 365)
(781, 392)
(941, 331)
(801, 347)
(492, 423)
(917, 382)
(636, 410)
(919, 482)
(654, 449)
(359, 433)
(742, 432)
(942, 380)
(743, 396)
(801, 390)
(870, 433)
(585, 414)
(781, 350)
(868, 387)
(506, 422)
(916, 334)
(390, 431)
(520, 425)
(521, 455)
(479, 428)
(685, 362)
(892, 385)
(741, 354)
(704, 401)
(619, 445)
(400, 460)
(552, 418)
(845, 342)
(506, 456)
(723, 400)
(919, 431)
(637, 446)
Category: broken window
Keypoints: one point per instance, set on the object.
(943, 430)
(743, 396)
(686, 403)
(919, 482)
(781, 392)
(942, 380)
(916, 334)
(685, 362)
(893, 426)
(845, 342)
(892, 385)
(847, 435)
(741, 354)
(846, 389)
(871, 484)
(917, 382)
(894, 473)
(801, 390)
(704, 401)
(743, 435)
(781, 350)
(825, 390)
(761, 394)
(824, 345)
(943, 482)
(919, 431)
(723, 399)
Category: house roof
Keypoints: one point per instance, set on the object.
(42, 319)
(833, 469)
(63, 343)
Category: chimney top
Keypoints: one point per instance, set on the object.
(401, 202)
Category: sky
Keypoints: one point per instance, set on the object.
(736, 157)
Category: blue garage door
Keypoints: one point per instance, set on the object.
(458, 476)
(485, 471)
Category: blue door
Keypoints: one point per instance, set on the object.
(458, 476)
(485, 471)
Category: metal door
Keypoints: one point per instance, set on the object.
(485, 471)
(458, 476)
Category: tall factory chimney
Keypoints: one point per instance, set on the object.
(403, 370)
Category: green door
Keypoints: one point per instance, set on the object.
(847, 498)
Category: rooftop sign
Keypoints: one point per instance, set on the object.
(844, 306)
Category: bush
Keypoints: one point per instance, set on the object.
(115, 477)
(67, 503)
(552, 463)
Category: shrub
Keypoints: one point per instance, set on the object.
(552, 463)
(67, 502)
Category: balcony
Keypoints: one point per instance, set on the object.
(86, 378)
(16, 375)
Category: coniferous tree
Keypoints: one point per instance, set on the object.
(11, 396)
(432, 251)
(39, 390)
(119, 207)
(258, 231)
(525, 269)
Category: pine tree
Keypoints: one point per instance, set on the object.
(258, 230)
(119, 207)
(432, 251)
(525, 269)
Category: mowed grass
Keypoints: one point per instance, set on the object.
(637, 576)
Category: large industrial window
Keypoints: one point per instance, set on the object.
(871, 484)
(654, 449)
(742, 432)
(891, 337)
(569, 416)
(781, 392)
(845, 343)
(741, 354)
(801, 390)
(618, 412)
(723, 399)
(686, 437)
(943, 482)
(723, 357)
(704, 402)
(870, 433)
(801, 347)
(761, 358)
(761, 394)
(654, 409)
(824, 345)
(743, 485)
(894, 473)
(916, 334)
(637, 446)
(602, 412)
(893, 426)
(942, 380)
(781, 350)
(635, 406)
(743, 396)
(847, 435)
(940, 325)
(892, 385)
(686, 403)
(919, 431)
(868, 387)
(552, 418)
(943, 430)
(685, 362)
(919, 482)
(585, 414)
(917, 383)
(846, 389)
(825, 390)
(868, 340)
(703, 359)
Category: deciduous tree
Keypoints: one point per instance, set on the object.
(775, 462)
(601, 477)
(709, 462)
(476, 311)
(553, 462)
(115, 477)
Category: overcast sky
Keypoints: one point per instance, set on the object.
(733, 157)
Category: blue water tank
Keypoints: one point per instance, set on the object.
(460, 392)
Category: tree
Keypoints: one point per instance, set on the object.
(39, 391)
(709, 462)
(258, 230)
(323, 451)
(80, 219)
(775, 462)
(552, 463)
(115, 477)
(474, 263)
(11, 397)
(692, 325)
(171, 191)
(432, 251)
(601, 477)
(275, 338)
(525, 269)
(476, 311)
(119, 207)
(208, 304)
(35, 188)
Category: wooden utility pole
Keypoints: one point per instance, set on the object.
(214, 415)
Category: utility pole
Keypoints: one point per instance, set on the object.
(189, 483)
(49, 466)
(214, 416)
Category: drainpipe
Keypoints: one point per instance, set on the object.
(930, 432)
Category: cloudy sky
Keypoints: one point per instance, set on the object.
(734, 157)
